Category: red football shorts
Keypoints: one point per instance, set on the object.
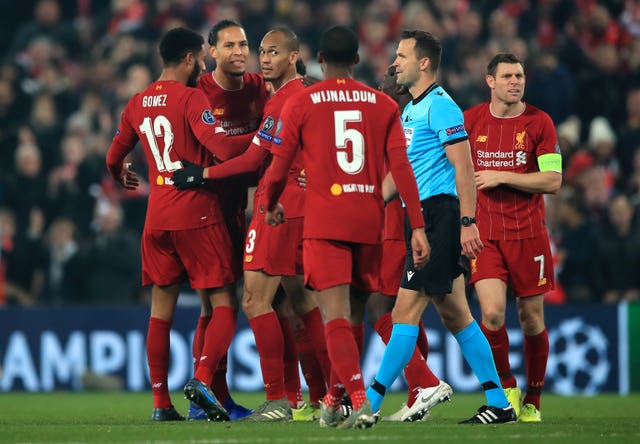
(527, 263)
(275, 250)
(329, 263)
(394, 253)
(203, 255)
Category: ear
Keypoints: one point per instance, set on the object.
(424, 63)
(212, 52)
(293, 57)
(189, 59)
(356, 60)
(491, 81)
(320, 57)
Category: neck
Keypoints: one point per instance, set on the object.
(227, 81)
(501, 109)
(423, 83)
(279, 83)
(172, 74)
(337, 72)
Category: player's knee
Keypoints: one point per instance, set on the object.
(493, 320)
(531, 323)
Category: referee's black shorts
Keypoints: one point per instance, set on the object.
(442, 224)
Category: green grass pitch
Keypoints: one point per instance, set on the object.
(125, 417)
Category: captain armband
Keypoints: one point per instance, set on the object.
(550, 162)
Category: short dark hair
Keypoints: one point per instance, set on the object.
(427, 45)
(222, 24)
(177, 43)
(339, 45)
(502, 57)
(292, 41)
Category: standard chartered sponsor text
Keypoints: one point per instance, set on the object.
(495, 159)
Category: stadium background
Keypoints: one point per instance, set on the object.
(70, 300)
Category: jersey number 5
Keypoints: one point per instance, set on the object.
(344, 135)
(161, 128)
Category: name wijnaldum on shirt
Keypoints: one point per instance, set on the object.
(343, 96)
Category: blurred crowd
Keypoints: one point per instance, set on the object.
(70, 235)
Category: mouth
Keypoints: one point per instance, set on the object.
(238, 63)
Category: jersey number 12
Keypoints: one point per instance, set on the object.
(161, 128)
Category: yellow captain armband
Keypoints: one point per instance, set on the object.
(550, 162)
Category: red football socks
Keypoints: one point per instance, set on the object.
(270, 344)
(290, 359)
(344, 356)
(311, 368)
(314, 325)
(217, 339)
(158, 359)
(536, 354)
(198, 340)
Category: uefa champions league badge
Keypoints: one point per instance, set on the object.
(207, 117)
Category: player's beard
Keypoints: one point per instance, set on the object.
(193, 78)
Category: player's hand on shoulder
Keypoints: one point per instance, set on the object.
(129, 179)
(470, 241)
(420, 247)
(276, 216)
(190, 176)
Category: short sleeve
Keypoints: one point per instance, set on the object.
(548, 143)
(126, 134)
(265, 135)
(447, 121)
(286, 137)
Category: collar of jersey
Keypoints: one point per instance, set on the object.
(417, 100)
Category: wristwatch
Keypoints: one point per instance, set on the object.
(465, 221)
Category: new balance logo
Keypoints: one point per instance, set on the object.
(356, 377)
(410, 274)
(202, 358)
(157, 385)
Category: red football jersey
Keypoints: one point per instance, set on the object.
(346, 131)
(172, 123)
(240, 111)
(509, 144)
(293, 195)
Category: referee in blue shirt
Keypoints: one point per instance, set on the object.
(439, 152)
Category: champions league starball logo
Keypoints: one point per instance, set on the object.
(578, 361)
